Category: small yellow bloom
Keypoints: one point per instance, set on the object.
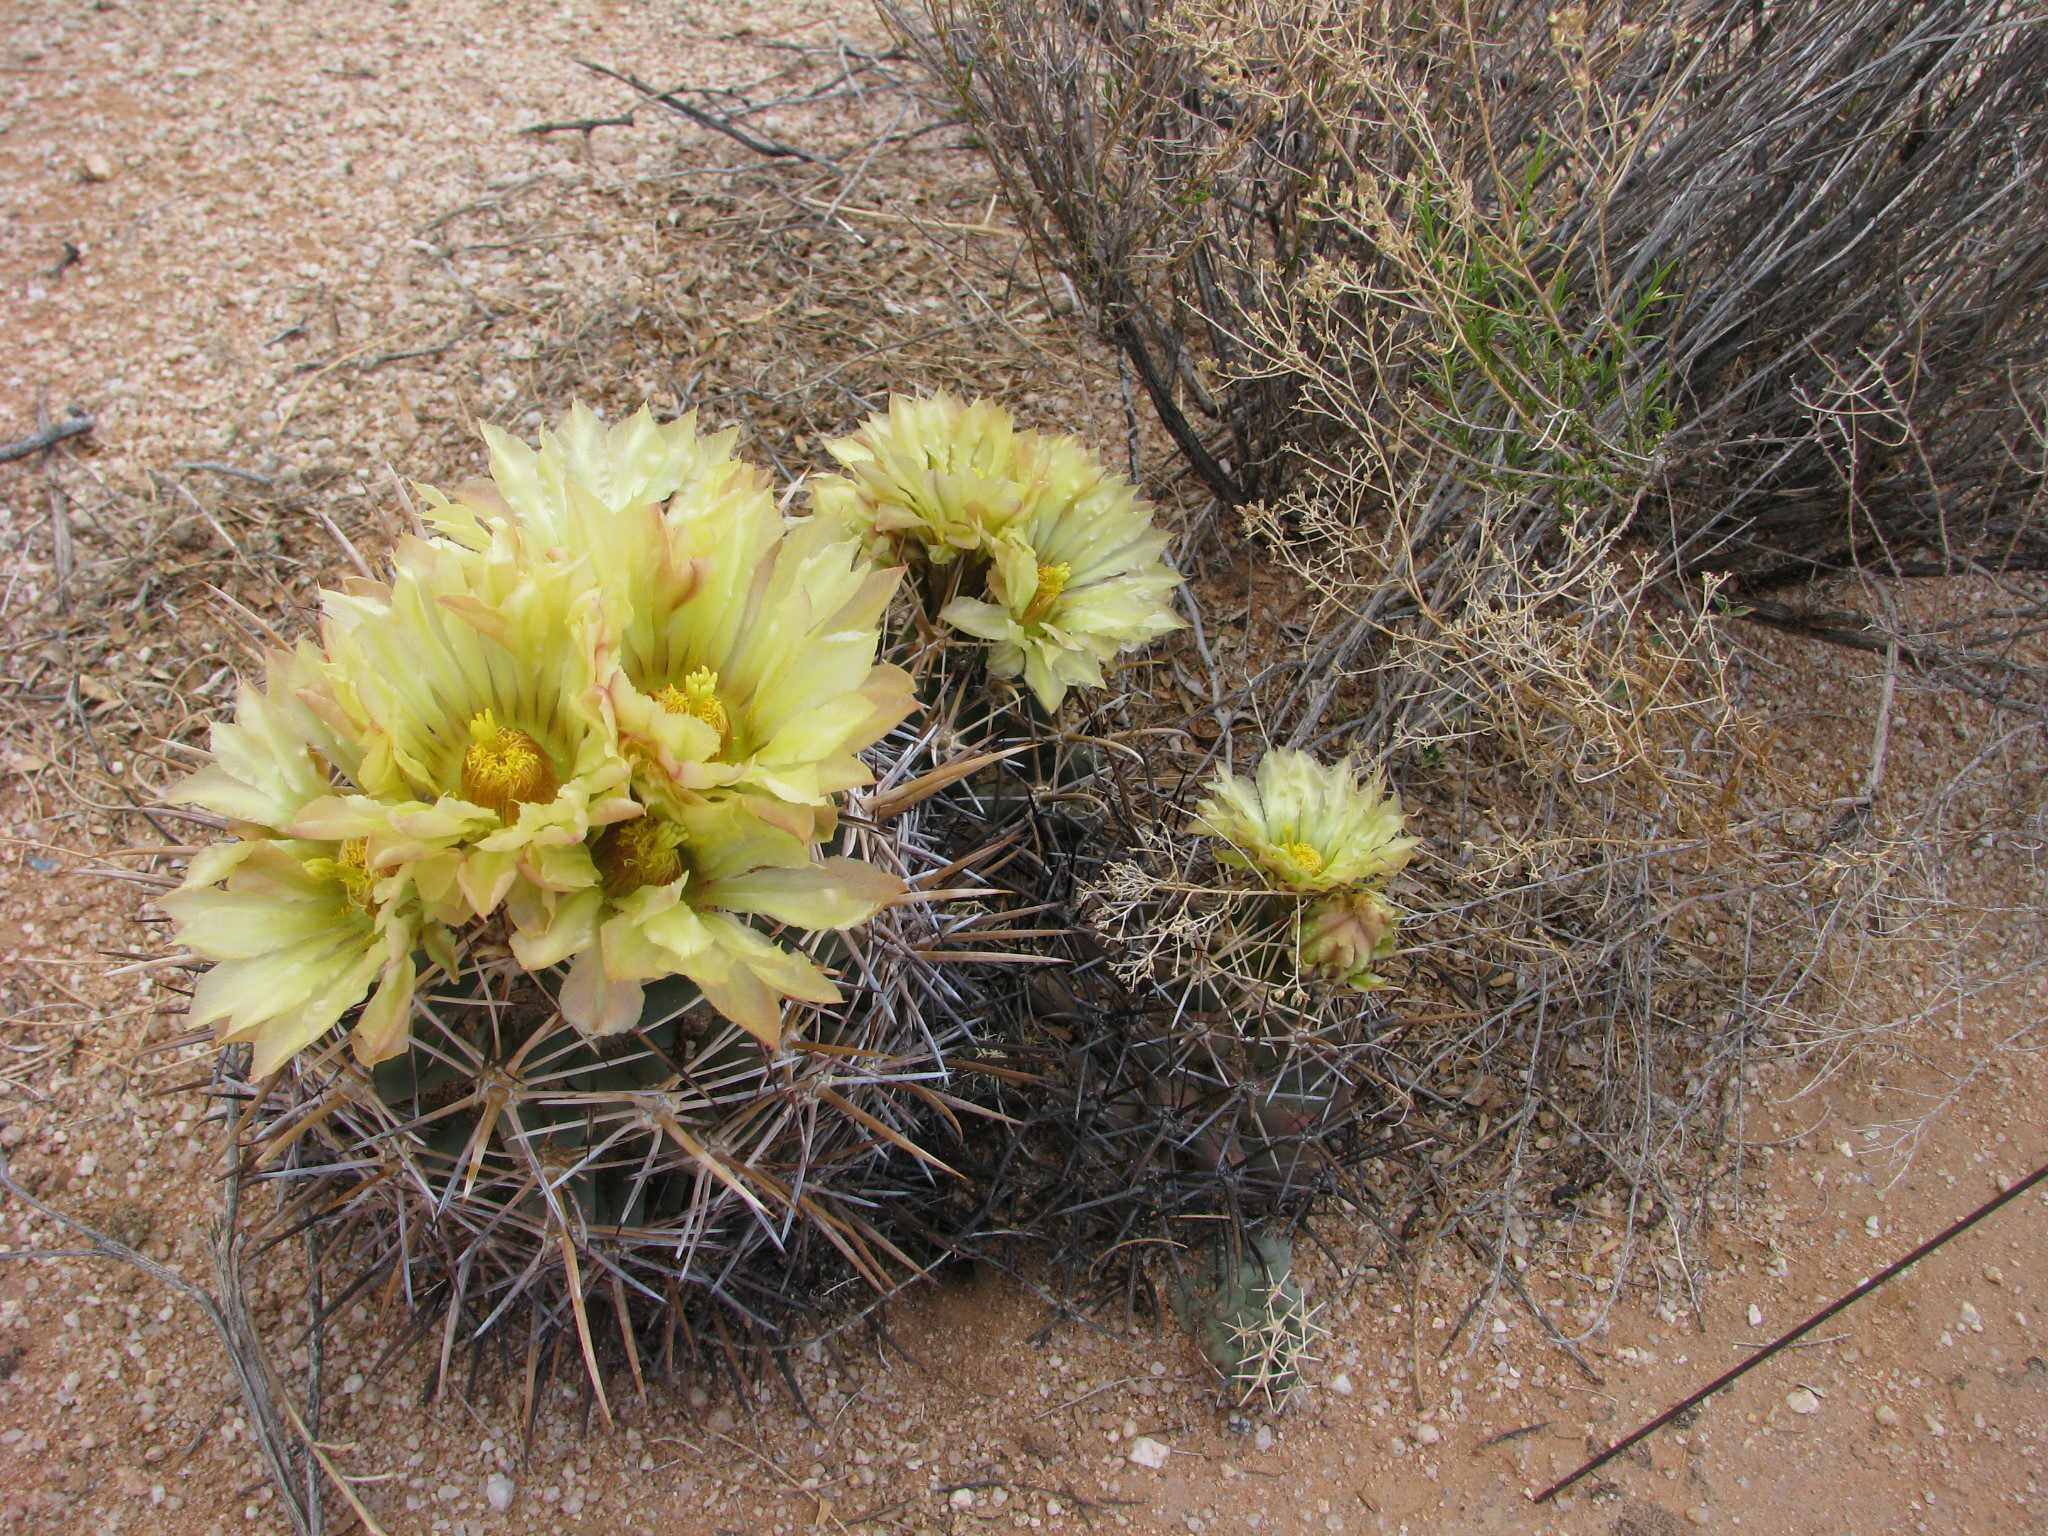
(282, 750)
(1078, 578)
(944, 476)
(569, 492)
(298, 934)
(736, 651)
(1306, 826)
(473, 680)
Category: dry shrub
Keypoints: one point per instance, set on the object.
(1835, 207)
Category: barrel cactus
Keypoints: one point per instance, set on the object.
(608, 926)
(570, 987)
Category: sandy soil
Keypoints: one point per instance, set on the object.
(311, 242)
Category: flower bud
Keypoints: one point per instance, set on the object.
(1343, 935)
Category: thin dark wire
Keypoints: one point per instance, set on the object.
(1840, 1304)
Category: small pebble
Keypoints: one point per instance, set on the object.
(1887, 1416)
(1341, 1384)
(1800, 1400)
(498, 1491)
(1147, 1452)
(1427, 1434)
(1994, 1275)
(96, 167)
(963, 1498)
(1971, 1318)
(1756, 1315)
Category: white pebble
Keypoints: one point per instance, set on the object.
(498, 1491)
(1427, 1434)
(1800, 1400)
(1147, 1452)
(1341, 1384)
(1756, 1315)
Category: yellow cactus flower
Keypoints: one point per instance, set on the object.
(745, 648)
(298, 933)
(758, 673)
(1306, 826)
(281, 750)
(1081, 577)
(473, 681)
(934, 472)
(669, 898)
(560, 492)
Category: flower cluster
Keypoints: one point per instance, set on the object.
(610, 697)
(1072, 569)
(1327, 841)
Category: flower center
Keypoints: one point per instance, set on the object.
(505, 768)
(1307, 862)
(698, 697)
(631, 854)
(352, 869)
(1052, 581)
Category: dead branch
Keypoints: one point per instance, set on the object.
(717, 122)
(71, 426)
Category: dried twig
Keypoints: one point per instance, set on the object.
(717, 122)
(76, 422)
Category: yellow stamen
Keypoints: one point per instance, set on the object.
(352, 869)
(505, 768)
(1305, 859)
(631, 854)
(1052, 581)
(698, 697)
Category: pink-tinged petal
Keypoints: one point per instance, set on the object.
(384, 1029)
(598, 1003)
